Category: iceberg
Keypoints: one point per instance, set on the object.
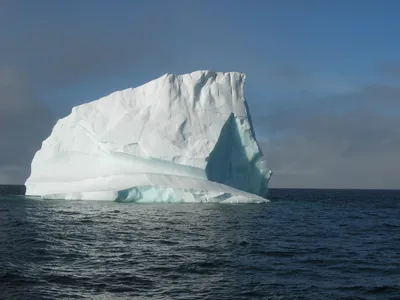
(178, 138)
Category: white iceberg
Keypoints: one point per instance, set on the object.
(179, 138)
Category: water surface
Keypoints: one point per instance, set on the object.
(305, 244)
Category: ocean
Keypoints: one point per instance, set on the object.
(304, 244)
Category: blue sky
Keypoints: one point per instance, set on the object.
(322, 76)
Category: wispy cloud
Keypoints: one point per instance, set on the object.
(327, 146)
(390, 69)
(313, 83)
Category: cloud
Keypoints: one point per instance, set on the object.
(12, 174)
(54, 52)
(390, 69)
(310, 83)
(24, 123)
(290, 74)
(340, 141)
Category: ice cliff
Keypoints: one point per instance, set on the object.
(186, 138)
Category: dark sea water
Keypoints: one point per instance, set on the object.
(305, 244)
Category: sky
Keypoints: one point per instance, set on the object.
(323, 77)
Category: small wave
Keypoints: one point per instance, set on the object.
(168, 242)
(383, 289)
(276, 253)
(202, 249)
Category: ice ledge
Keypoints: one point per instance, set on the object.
(148, 185)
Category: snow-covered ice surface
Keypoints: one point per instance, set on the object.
(178, 138)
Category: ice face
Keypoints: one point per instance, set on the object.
(182, 138)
